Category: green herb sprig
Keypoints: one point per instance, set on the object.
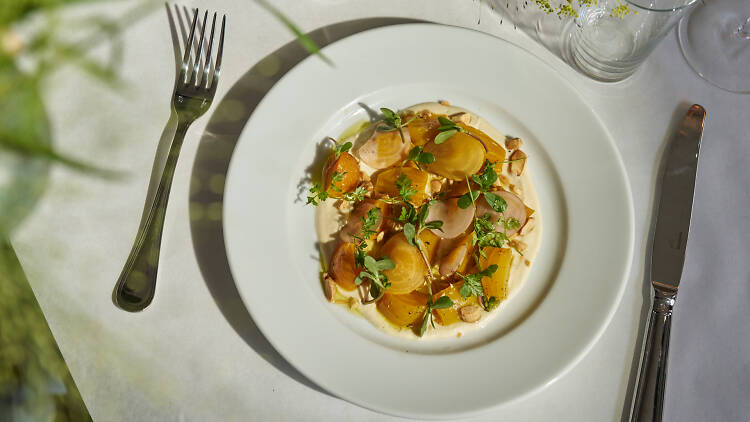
(392, 121)
(318, 195)
(442, 303)
(403, 183)
(415, 224)
(447, 129)
(485, 180)
(339, 148)
(419, 157)
(378, 281)
(473, 282)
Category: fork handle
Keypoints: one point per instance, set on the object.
(649, 397)
(136, 285)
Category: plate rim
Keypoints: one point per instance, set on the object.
(629, 242)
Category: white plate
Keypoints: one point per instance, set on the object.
(576, 281)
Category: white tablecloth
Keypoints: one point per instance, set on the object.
(194, 354)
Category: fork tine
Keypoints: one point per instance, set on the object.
(208, 54)
(188, 47)
(200, 51)
(217, 68)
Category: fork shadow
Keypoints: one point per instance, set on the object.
(209, 171)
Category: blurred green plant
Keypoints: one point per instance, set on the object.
(35, 384)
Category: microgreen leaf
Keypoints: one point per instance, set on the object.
(435, 225)
(357, 195)
(409, 233)
(511, 223)
(473, 283)
(317, 196)
(444, 136)
(496, 202)
(426, 158)
(446, 121)
(465, 200)
(338, 149)
(385, 263)
(491, 303)
(486, 178)
(419, 157)
(442, 303)
(403, 183)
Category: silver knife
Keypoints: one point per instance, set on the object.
(668, 256)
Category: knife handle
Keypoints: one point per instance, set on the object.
(649, 396)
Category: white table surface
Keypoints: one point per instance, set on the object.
(195, 355)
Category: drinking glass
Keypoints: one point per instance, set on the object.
(715, 40)
(609, 46)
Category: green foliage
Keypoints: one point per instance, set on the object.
(442, 303)
(403, 183)
(418, 157)
(473, 282)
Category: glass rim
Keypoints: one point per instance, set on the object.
(672, 9)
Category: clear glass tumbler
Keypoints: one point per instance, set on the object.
(610, 38)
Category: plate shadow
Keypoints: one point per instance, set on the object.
(209, 172)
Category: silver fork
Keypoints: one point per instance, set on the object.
(193, 93)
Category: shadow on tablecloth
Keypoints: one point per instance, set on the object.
(210, 168)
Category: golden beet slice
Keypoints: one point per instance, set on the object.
(342, 267)
(345, 169)
(385, 149)
(450, 316)
(495, 151)
(429, 243)
(497, 285)
(423, 128)
(385, 184)
(459, 156)
(410, 269)
(403, 310)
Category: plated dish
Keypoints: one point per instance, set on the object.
(426, 219)
(576, 277)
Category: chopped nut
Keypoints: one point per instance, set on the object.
(503, 180)
(380, 237)
(464, 118)
(527, 262)
(518, 245)
(513, 143)
(423, 114)
(528, 226)
(459, 334)
(329, 286)
(517, 162)
(365, 177)
(436, 185)
(343, 206)
(443, 102)
(470, 313)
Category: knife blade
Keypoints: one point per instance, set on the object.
(667, 260)
(676, 203)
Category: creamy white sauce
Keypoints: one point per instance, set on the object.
(329, 221)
